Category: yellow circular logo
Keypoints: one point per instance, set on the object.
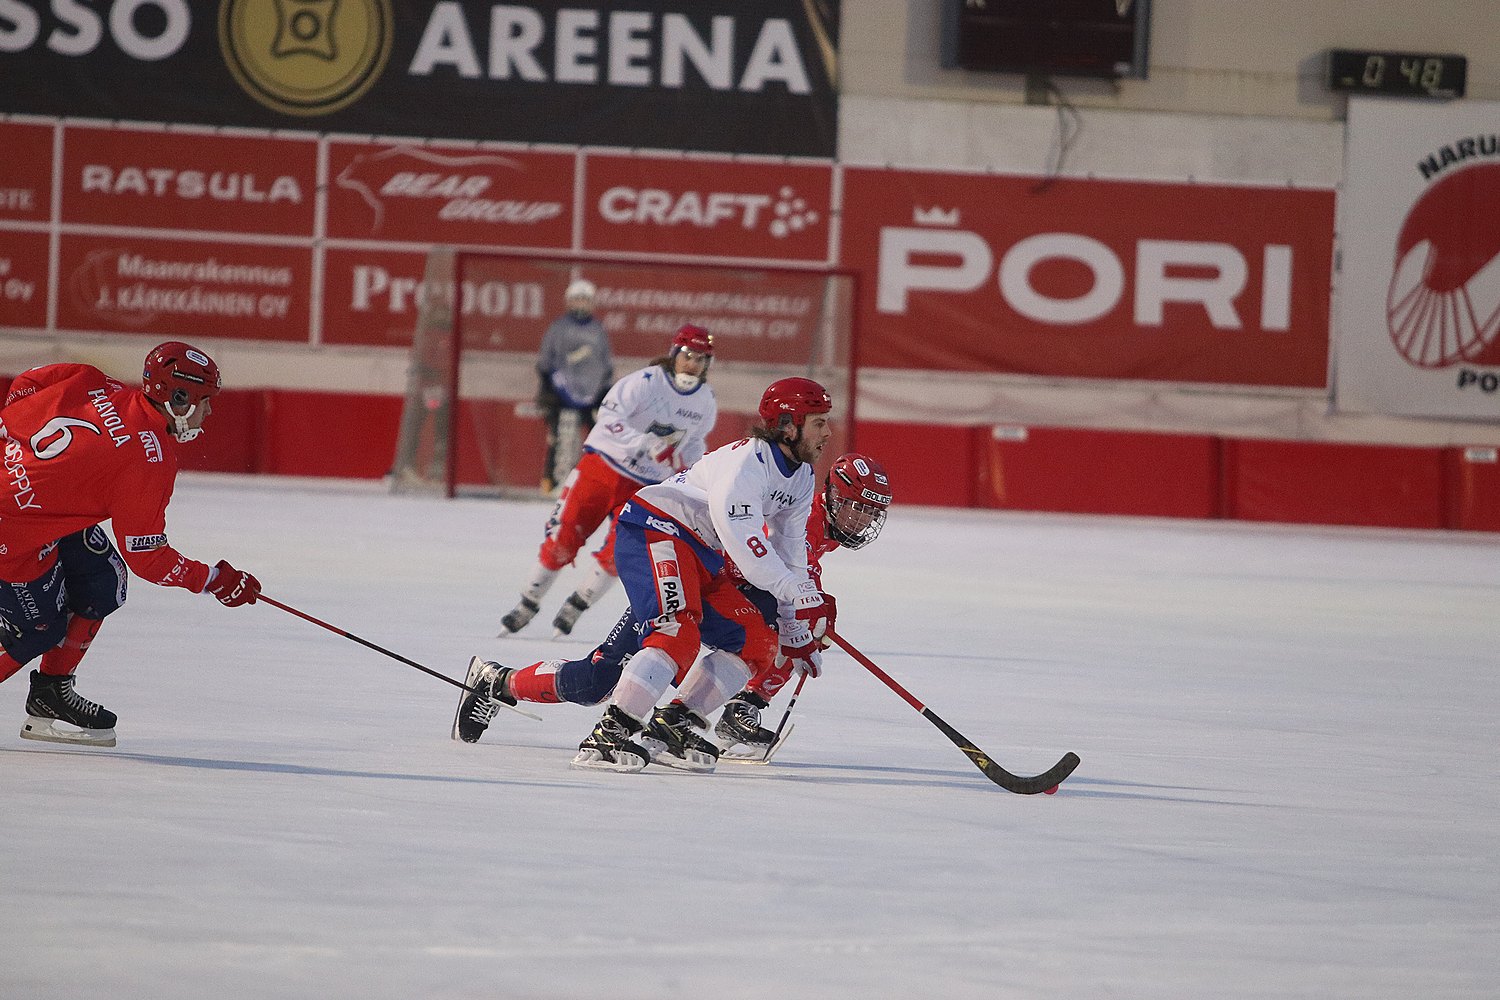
(305, 57)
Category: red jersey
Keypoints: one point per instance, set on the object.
(81, 448)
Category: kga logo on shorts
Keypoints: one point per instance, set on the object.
(306, 57)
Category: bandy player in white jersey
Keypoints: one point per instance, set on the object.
(653, 423)
(750, 501)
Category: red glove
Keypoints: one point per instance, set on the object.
(233, 587)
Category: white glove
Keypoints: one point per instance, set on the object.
(801, 634)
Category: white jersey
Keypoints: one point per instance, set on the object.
(649, 429)
(746, 501)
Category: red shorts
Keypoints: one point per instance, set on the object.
(593, 491)
(683, 605)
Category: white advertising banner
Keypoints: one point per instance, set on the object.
(1418, 293)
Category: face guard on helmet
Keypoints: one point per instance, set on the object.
(857, 498)
(787, 402)
(180, 377)
(695, 344)
(580, 299)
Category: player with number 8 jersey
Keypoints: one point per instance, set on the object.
(748, 501)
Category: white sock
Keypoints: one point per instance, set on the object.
(713, 681)
(596, 586)
(541, 581)
(643, 682)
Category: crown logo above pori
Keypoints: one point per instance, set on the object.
(935, 216)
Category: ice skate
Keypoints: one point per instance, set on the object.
(739, 734)
(519, 617)
(567, 615)
(58, 714)
(477, 707)
(672, 739)
(611, 747)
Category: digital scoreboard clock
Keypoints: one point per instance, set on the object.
(1397, 74)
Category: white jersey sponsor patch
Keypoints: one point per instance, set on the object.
(664, 567)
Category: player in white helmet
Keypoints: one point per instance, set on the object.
(574, 370)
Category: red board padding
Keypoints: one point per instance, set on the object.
(496, 445)
(229, 442)
(1303, 482)
(329, 434)
(1473, 480)
(1097, 472)
(927, 464)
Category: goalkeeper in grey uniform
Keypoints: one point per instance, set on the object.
(574, 370)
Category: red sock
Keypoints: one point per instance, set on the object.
(770, 680)
(533, 684)
(8, 666)
(62, 659)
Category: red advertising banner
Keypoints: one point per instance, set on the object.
(375, 298)
(434, 194)
(189, 180)
(23, 279)
(754, 314)
(25, 172)
(372, 297)
(1092, 279)
(707, 207)
(184, 288)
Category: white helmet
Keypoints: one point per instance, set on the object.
(580, 289)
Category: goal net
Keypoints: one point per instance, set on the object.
(470, 421)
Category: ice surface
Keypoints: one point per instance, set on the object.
(1288, 788)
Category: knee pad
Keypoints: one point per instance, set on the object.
(677, 636)
(97, 606)
(717, 676)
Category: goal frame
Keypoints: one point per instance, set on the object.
(463, 255)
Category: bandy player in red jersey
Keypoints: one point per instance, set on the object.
(81, 448)
(849, 513)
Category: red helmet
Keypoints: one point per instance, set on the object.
(693, 338)
(697, 341)
(858, 496)
(793, 399)
(180, 375)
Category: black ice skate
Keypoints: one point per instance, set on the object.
(611, 747)
(58, 714)
(673, 740)
(567, 615)
(519, 617)
(477, 707)
(739, 732)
